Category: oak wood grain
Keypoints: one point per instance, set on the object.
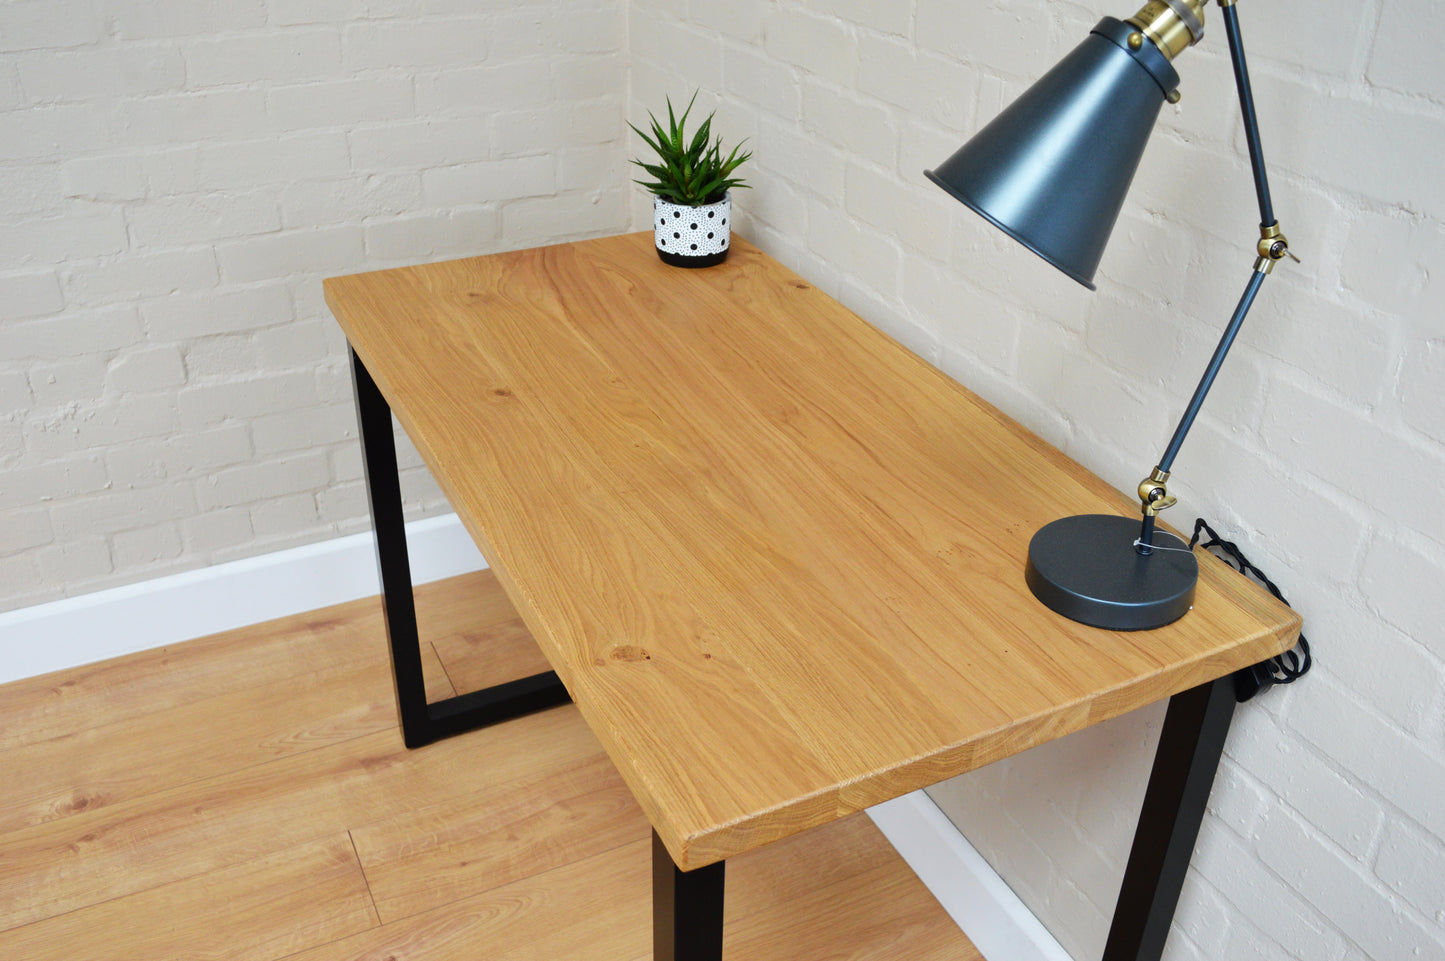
(776, 558)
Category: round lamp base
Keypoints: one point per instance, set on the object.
(1087, 569)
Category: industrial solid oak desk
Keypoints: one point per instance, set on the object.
(775, 559)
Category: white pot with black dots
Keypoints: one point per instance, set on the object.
(692, 236)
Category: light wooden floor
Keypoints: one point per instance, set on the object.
(246, 796)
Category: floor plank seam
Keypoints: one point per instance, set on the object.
(451, 683)
(141, 801)
(361, 866)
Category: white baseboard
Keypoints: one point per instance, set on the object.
(1000, 926)
(166, 610)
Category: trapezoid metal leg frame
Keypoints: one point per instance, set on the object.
(687, 909)
(1190, 746)
(422, 723)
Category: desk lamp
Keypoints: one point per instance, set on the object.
(1051, 171)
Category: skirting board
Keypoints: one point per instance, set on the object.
(1000, 926)
(167, 610)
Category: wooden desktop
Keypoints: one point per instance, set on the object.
(774, 558)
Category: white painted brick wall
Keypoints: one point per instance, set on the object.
(1320, 451)
(176, 178)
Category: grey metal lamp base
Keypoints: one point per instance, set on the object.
(1087, 569)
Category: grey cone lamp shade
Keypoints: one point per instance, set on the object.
(1052, 170)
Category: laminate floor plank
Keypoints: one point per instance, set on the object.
(478, 635)
(84, 771)
(843, 893)
(256, 911)
(837, 893)
(469, 844)
(596, 909)
(210, 825)
(501, 652)
(247, 796)
(344, 636)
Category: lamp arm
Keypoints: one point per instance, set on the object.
(1256, 280)
(1246, 107)
(1153, 494)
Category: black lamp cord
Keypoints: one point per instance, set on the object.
(1285, 668)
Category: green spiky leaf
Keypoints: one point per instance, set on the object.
(691, 170)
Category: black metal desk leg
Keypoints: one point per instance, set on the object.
(422, 723)
(383, 489)
(1190, 746)
(687, 909)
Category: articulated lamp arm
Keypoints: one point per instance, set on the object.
(1272, 247)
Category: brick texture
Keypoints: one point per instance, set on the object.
(177, 179)
(1319, 451)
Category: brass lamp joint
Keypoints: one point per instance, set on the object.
(1154, 496)
(1173, 25)
(1272, 248)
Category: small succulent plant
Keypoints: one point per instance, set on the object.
(691, 171)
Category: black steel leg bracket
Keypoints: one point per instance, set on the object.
(422, 723)
(1190, 746)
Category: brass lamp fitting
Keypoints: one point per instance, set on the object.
(1273, 244)
(1153, 495)
(1273, 247)
(1173, 25)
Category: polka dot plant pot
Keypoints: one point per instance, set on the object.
(692, 236)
